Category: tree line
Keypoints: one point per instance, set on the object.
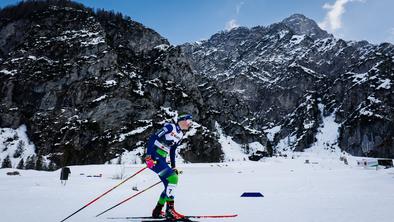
(34, 162)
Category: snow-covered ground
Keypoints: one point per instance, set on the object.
(324, 190)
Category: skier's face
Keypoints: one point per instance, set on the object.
(185, 124)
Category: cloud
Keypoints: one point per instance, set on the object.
(238, 7)
(333, 19)
(231, 24)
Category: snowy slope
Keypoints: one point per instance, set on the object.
(14, 141)
(293, 191)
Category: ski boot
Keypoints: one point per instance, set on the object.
(171, 214)
(157, 212)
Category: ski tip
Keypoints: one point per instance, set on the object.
(214, 216)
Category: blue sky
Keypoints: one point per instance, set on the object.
(183, 21)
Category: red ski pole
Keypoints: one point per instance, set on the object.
(128, 199)
(139, 171)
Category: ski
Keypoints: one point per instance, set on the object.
(161, 220)
(151, 219)
(187, 218)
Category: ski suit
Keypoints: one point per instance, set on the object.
(160, 144)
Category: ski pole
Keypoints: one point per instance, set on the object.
(128, 199)
(139, 171)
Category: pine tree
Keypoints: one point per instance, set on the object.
(120, 159)
(30, 162)
(6, 163)
(39, 165)
(51, 166)
(21, 165)
(19, 149)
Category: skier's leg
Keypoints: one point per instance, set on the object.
(162, 169)
(171, 187)
(171, 213)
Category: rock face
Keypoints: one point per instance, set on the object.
(90, 85)
(291, 75)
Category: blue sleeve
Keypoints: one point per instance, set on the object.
(151, 150)
(172, 156)
(163, 131)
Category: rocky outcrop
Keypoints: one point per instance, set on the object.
(283, 72)
(91, 85)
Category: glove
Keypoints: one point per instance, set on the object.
(149, 162)
(177, 171)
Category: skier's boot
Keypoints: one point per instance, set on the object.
(171, 214)
(157, 212)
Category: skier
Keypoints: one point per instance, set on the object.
(160, 144)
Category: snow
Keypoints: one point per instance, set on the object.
(366, 112)
(138, 130)
(32, 57)
(162, 47)
(326, 44)
(94, 41)
(255, 146)
(139, 89)
(297, 39)
(307, 70)
(100, 98)
(374, 100)
(232, 150)
(282, 33)
(130, 157)
(10, 139)
(327, 135)
(286, 144)
(386, 84)
(89, 37)
(168, 111)
(110, 83)
(325, 192)
(8, 72)
(359, 78)
(271, 132)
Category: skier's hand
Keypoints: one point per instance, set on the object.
(149, 162)
(177, 171)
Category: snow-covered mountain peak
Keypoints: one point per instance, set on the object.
(303, 25)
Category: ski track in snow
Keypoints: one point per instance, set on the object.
(324, 191)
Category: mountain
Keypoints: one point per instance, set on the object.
(79, 86)
(89, 86)
(292, 76)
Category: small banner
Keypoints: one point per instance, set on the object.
(252, 194)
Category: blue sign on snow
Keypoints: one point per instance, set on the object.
(252, 194)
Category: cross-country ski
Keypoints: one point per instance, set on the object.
(186, 217)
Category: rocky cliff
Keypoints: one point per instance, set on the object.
(90, 85)
(291, 75)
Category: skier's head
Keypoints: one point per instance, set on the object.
(185, 121)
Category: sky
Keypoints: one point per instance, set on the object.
(183, 21)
